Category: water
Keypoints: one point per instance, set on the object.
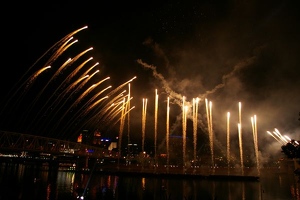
(35, 183)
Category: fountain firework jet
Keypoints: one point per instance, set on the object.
(240, 137)
(228, 140)
(168, 132)
(241, 148)
(128, 115)
(144, 118)
(184, 111)
(254, 128)
(210, 131)
(155, 125)
(195, 126)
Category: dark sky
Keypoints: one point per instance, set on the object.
(225, 51)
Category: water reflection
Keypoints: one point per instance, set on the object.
(20, 181)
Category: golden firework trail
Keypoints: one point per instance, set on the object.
(58, 100)
(60, 50)
(276, 138)
(113, 113)
(144, 117)
(92, 99)
(53, 77)
(121, 86)
(80, 54)
(57, 44)
(114, 101)
(77, 69)
(122, 118)
(34, 76)
(92, 67)
(228, 139)
(195, 125)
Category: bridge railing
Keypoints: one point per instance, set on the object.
(11, 141)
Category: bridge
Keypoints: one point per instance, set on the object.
(19, 146)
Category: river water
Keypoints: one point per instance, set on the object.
(32, 182)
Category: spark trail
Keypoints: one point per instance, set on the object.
(195, 126)
(254, 128)
(144, 117)
(77, 69)
(62, 41)
(228, 140)
(61, 85)
(209, 127)
(155, 126)
(167, 132)
(28, 83)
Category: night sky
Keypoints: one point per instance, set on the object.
(225, 51)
